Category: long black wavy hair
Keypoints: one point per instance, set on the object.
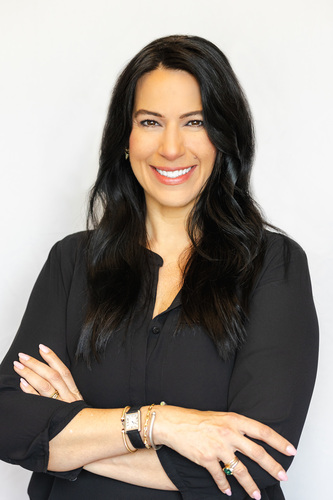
(226, 227)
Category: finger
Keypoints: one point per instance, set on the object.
(245, 480)
(43, 378)
(256, 430)
(27, 388)
(51, 379)
(256, 452)
(40, 384)
(219, 477)
(264, 459)
(55, 362)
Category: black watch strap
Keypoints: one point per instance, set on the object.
(134, 436)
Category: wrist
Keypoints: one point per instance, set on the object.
(161, 424)
(132, 426)
(148, 433)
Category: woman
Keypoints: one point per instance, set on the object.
(179, 294)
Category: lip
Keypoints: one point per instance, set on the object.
(173, 181)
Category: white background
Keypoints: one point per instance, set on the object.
(58, 62)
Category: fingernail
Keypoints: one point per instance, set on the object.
(291, 450)
(23, 356)
(24, 382)
(18, 365)
(256, 495)
(228, 492)
(43, 348)
(282, 475)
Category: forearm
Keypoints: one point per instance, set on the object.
(93, 434)
(141, 468)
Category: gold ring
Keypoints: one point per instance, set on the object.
(55, 395)
(229, 468)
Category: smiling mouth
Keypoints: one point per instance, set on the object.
(173, 174)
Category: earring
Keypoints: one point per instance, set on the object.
(126, 153)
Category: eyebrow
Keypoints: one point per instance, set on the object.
(153, 113)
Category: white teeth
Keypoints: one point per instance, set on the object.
(172, 174)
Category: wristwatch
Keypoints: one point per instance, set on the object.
(132, 426)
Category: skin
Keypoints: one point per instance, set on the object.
(167, 134)
(93, 438)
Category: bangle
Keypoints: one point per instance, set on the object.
(152, 444)
(125, 442)
(145, 427)
(123, 433)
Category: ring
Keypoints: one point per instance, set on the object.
(55, 395)
(229, 468)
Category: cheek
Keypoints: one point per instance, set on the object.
(140, 146)
(211, 151)
(134, 143)
(202, 147)
(207, 154)
(213, 157)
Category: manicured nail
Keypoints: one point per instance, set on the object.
(18, 365)
(282, 475)
(23, 356)
(24, 382)
(228, 492)
(256, 495)
(43, 348)
(291, 450)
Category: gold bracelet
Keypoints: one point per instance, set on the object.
(145, 427)
(125, 442)
(123, 433)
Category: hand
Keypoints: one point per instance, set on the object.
(46, 379)
(207, 437)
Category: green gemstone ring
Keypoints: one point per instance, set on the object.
(229, 468)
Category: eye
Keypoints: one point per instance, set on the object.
(149, 123)
(195, 123)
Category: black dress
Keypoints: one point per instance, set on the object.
(270, 379)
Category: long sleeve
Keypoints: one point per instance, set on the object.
(29, 422)
(271, 378)
(274, 373)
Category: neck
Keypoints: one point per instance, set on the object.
(167, 235)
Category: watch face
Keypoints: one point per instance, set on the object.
(132, 421)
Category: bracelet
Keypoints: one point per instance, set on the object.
(123, 433)
(125, 442)
(145, 427)
(152, 444)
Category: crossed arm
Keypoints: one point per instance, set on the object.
(268, 383)
(93, 438)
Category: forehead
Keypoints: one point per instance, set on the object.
(164, 87)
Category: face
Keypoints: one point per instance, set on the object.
(170, 152)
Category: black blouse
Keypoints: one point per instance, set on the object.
(270, 379)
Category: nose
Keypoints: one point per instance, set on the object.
(172, 143)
